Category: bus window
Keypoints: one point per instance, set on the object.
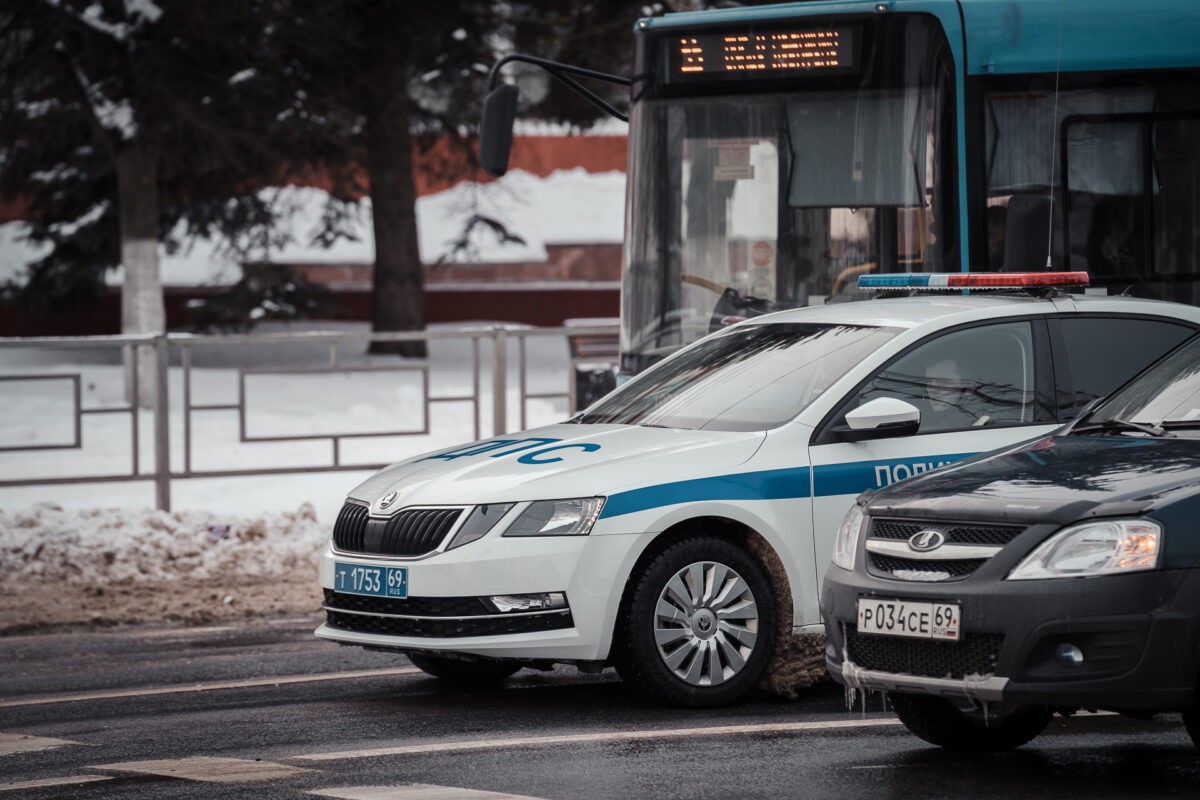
(756, 195)
(1120, 161)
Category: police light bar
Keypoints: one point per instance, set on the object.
(972, 280)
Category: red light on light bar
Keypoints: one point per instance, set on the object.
(996, 280)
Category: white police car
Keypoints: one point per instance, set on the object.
(677, 526)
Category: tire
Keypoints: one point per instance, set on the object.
(697, 626)
(965, 725)
(1191, 720)
(453, 670)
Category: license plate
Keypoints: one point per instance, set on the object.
(908, 618)
(370, 581)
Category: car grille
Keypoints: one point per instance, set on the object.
(897, 567)
(913, 570)
(409, 606)
(408, 533)
(433, 617)
(974, 655)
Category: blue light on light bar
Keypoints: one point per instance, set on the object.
(972, 280)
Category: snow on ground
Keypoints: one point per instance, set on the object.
(48, 543)
(223, 529)
(567, 206)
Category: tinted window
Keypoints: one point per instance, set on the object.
(1104, 353)
(1167, 394)
(751, 378)
(979, 377)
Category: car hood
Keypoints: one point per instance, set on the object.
(557, 461)
(1054, 479)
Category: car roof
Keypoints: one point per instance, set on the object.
(951, 309)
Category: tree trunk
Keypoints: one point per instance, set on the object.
(398, 286)
(141, 294)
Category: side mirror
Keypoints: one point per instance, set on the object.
(881, 418)
(496, 129)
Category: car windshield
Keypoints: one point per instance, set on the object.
(753, 377)
(1166, 396)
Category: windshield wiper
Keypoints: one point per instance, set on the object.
(1180, 424)
(1120, 425)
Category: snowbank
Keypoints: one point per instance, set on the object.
(567, 206)
(50, 544)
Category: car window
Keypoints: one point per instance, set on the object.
(1103, 353)
(973, 378)
(753, 377)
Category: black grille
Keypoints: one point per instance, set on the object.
(409, 607)
(974, 655)
(956, 532)
(350, 528)
(412, 532)
(499, 625)
(888, 566)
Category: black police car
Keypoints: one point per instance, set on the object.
(1060, 574)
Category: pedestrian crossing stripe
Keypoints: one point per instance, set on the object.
(208, 769)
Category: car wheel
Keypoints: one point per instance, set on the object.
(698, 624)
(1191, 719)
(458, 671)
(969, 725)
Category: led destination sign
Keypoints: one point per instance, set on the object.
(749, 54)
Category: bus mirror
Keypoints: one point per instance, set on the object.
(496, 129)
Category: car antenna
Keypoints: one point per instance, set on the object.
(1053, 135)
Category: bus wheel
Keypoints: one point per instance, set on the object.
(967, 725)
(698, 625)
(454, 670)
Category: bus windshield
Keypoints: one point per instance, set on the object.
(746, 198)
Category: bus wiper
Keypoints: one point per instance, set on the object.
(1119, 425)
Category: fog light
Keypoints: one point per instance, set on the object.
(544, 601)
(1069, 655)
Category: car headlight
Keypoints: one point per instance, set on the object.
(1103, 547)
(573, 517)
(478, 522)
(846, 544)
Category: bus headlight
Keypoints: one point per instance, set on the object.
(574, 517)
(1102, 547)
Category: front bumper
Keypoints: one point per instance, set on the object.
(445, 611)
(1138, 634)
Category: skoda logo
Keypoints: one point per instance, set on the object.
(924, 541)
(388, 499)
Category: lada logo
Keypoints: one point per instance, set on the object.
(388, 499)
(924, 541)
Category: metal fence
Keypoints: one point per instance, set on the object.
(175, 375)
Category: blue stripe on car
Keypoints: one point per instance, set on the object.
(772, 484)
(858, 476)
(778, 484)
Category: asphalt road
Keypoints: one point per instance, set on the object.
(269, 711)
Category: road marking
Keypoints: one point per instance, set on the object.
(208, 687)
(612, 736)
(414, 791)
(24, 743)
(208, 769)
(69, 780)
(182, 633)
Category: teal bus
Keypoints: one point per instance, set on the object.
(778, 152)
